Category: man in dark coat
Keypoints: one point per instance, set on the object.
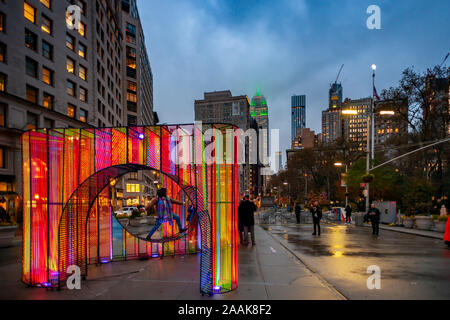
(247, 209)
(348, 214)
(298, 210)
(316, 212)
(374, 216)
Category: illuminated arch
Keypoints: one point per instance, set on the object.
(67, 207)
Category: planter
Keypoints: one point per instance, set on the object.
(423, 222)
(151, 220)
(7, 236)
(408, 223)
(136, 222)
(440, 226)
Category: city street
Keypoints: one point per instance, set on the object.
(412, 267)
(266, 272)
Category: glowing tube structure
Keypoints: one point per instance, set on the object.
(68, 216)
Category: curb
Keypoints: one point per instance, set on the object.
(438, 236)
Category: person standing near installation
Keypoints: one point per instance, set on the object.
(298, 210)
(164, 211)
(248, 209)
(374, 216)
(316, 212)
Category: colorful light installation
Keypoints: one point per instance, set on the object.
(68, 216)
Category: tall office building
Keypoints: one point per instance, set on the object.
(223, 107)
(298, 114)
(259, 111)
(332, 118)
(335, 96)
(57, 73)
(279, 161)
(355, 126)
(331, 125)
(135, 188)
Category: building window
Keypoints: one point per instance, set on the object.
(2, 22)
(70, 65)
(71, 110)
(130, 33)
(47, 76)
(30, 40)
(131, 120)
(131, 97)
(47, 3)
(131, 86)
(70, 42)
(31, 67)
(2, 115)
(46, 25)
(83, 115)
(2, 52)
(32, 121)
(32, 94)
(3, 165)
(83, 95)
(82, 73)
(49, 123)
(3, 82)
(29, 12)
(82, 29)
(133, 176)
(47, 50)
(70, 88)
(82, 50)
(48, 101)
(133, 188)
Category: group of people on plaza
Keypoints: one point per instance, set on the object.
(246, 216)
(373, 215)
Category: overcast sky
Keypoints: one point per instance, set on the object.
(285, 47)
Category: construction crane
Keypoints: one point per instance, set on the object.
(339, 73)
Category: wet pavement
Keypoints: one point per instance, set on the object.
(412, 267)
(266, 272)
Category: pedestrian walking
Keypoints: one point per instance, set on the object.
(298, 210)
(348, 214)
(374, 217)
(316, 212)
(248, 209)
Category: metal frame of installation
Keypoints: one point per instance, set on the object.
(67, 214)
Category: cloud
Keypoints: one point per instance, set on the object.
(284, 47)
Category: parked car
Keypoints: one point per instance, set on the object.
(126, 211)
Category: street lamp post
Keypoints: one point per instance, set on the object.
(306, 188)
(289, 191)
(370, 137)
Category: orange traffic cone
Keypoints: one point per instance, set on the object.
(447, 233)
